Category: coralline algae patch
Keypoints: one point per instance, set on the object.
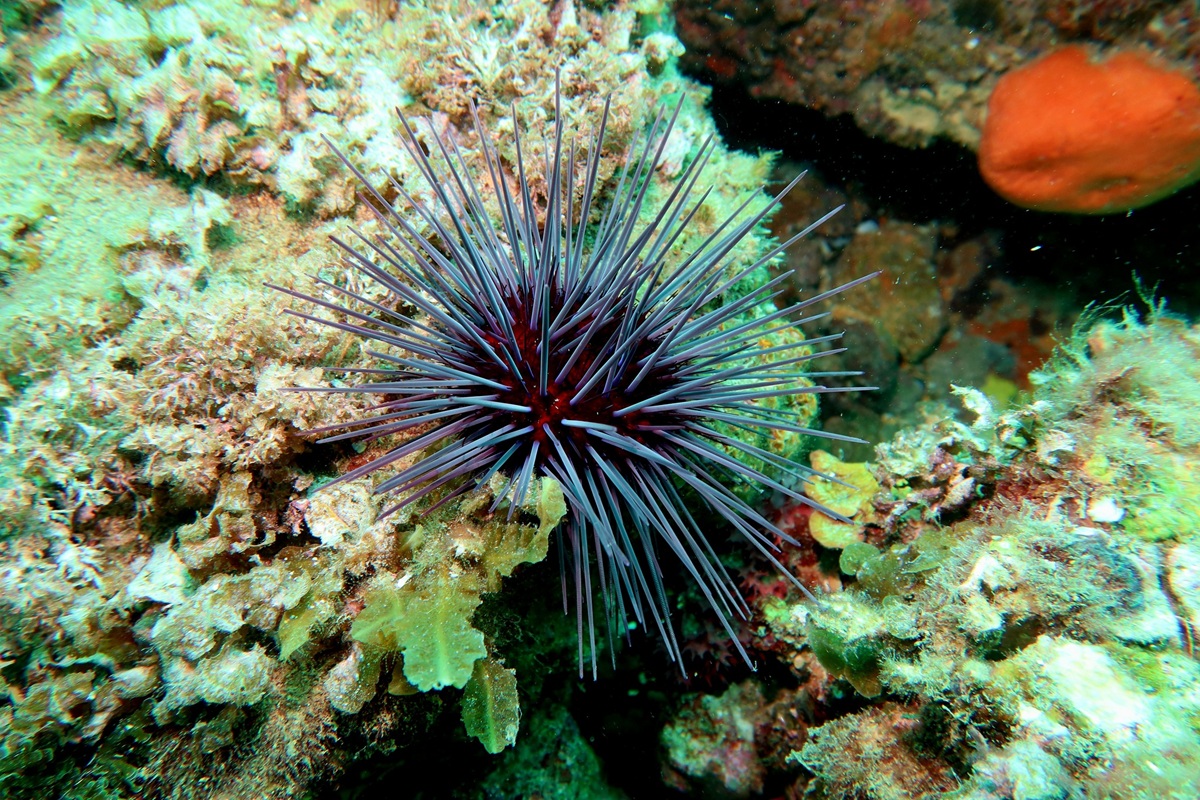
(1019, 614)
(70, 245)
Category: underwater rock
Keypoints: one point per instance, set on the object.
(1183, 577)
(908, 74)
(353, 680)
(1152, 621)
(710, 747)
(911, 315)
(179, 597)
(867, 755)
(554, 762)
(852, 59)
(164, 579)
(232, 676)
(1038, 634)
(1022, 771)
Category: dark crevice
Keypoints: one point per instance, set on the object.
(1091, 257)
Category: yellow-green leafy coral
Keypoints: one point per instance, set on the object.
(851, 498)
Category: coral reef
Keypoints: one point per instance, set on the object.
(186, 613)
(907, 72)
(945, 314)
(1012, 626)
(188, 610)
(184, 89)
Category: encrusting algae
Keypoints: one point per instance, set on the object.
(1011, 609)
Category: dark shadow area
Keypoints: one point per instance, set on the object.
(1092, 257)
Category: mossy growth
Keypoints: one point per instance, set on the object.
(1168, 503)
(852, 636)
(860, 756)
(1126, 391)
(899, 569)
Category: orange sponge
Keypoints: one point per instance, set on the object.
(1066, 133)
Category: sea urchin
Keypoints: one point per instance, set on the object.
(556, 337)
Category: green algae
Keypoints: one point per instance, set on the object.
(898, 569)
(428, 619)
(491, 709)
(854, 556)
(316, 608)
(426, 614)
(857, 660)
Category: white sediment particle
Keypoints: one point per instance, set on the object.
(989, 572)
(1105, 509)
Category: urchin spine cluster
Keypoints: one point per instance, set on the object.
(574, 348)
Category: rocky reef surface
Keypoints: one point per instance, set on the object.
(914, 72)
(1016, 608)
(1011, 611)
